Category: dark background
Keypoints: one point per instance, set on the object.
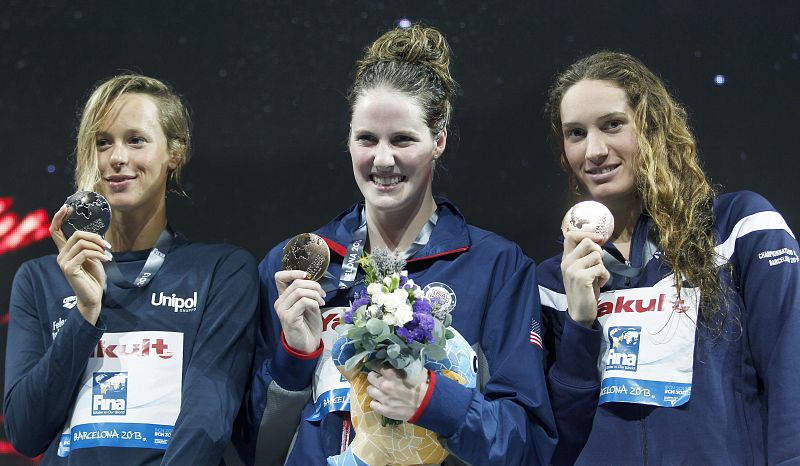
(266, 83)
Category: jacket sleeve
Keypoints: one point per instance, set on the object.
(280, 385)
(215, 377)
(765, 265)
(571, 365)
(42, 375)
(510, 421)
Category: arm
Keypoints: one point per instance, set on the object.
(42, 379)
(511, 421)
(573, 380)
(36, 402)
(217, 371)
(281, 379)
(770, 289)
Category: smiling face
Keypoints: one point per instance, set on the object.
(600, 140)
(132, 155)
(393, 151)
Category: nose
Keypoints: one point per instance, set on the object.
(596, 149)
(118, 156)
(384, 157)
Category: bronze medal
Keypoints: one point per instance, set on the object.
(591, 217)
(307, 252)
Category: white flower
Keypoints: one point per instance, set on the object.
(374, 289)
(403, 314)
(387, 280)
(389, 319)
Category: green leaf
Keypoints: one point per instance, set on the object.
(367, 342)
(393, 351)
(377, 326)
(435, 353)
(354, 361)
(414, 368)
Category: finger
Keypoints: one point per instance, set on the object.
(573, 238)
(373, 378)
(94, 238)
(292, 296)
(308, 288)
(390, 373)
(55, 226)
(604, 276)
(305, 308)
(86, 255)
(75, 246)
(284, 278)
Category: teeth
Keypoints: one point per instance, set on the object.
(600, 171)
(386, 180)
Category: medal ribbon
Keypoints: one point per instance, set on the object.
(356, 247)
(153, 264)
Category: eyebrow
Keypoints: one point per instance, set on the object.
(603, 117)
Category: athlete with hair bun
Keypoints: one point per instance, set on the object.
(400, 106)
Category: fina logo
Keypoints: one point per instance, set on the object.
(624, 352)
(109, 393)
(176, 303)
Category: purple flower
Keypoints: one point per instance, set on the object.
(421, 306)
(403, 280)
(348, 316)
(420, 328)
(360, 300)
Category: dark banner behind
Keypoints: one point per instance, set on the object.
(266, 83)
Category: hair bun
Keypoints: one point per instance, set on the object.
(417, 44)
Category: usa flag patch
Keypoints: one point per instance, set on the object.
(535, 336)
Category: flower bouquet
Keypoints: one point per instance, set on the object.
(392, 322)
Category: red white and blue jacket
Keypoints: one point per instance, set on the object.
(506, 421)
(745, 403)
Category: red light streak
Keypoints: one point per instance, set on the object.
(16, 234)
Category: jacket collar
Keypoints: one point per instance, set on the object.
(449, 236)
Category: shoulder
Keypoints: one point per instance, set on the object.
(489, 247)
(548, 273)
(43, 267)
(739, 213)
(210, 255)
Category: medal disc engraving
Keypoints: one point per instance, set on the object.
(591, 217)
(90, 212)
(307, 252)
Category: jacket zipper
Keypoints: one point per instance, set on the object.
(644, 441)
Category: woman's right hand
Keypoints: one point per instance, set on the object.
(298, 308)
(81, 260)
(584, 274)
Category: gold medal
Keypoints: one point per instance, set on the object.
(307, 252)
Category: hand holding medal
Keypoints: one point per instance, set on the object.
(77, 230)
(304, 260)
(586, 226)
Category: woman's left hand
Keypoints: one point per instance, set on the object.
(395, 395)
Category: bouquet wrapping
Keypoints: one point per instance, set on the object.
(393, 323)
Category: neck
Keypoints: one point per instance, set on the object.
(136, 231)
(396, 231)
(626, 214)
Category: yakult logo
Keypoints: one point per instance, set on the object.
(144, 349)
(176, 303)
(330, 320)
(631, 305)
